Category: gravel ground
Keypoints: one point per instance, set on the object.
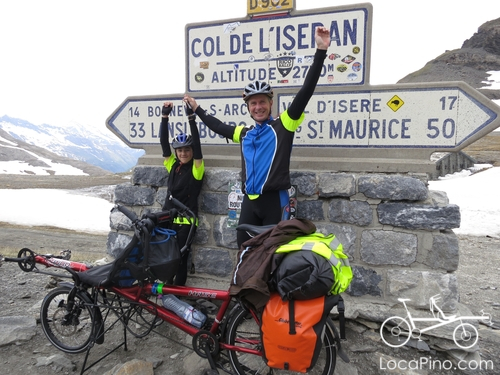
(14, 181)
(170, 349)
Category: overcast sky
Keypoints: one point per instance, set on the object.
(65, 61)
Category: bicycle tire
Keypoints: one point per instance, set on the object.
(465, 335)
(244, 331)
(70, 337)
(396, 327)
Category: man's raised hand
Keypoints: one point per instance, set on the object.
(322, 37)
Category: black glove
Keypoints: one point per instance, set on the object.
(166, 110)
(189, 110)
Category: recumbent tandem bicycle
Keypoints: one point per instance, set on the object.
(77, 315)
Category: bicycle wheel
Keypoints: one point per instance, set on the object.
(71, 331)
(395, 331)
(465, 335)
(244, 331)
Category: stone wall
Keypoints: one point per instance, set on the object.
(397, 233)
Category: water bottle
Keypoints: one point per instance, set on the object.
(184, 310)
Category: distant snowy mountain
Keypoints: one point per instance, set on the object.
(21, 158)
(98, 147)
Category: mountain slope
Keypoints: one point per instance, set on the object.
(18, 157)
(90, 145)
(471, 63)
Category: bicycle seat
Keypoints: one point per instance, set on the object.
(440, 312)
(404, 299)
(449, 317)
(254, 230)
(97, 276)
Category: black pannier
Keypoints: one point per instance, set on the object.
(159, 263)
(164, 254)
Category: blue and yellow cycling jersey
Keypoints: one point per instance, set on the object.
(266, 148)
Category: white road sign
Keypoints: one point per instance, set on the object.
(399, 116)
(226, 55)
(392, 116)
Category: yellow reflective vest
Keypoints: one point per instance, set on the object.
(330, 248)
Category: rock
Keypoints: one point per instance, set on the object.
(363, 349)
(133, 367)
(478, 55)
(58, 362)
(345, 368)
(14, 329)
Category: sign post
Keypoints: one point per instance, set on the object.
(137, 120)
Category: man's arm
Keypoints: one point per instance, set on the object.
(322, 37)
(213, 123)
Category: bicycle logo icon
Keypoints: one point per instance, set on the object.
(396, 331)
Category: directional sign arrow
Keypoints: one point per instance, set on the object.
(137, 120)
(445, 116)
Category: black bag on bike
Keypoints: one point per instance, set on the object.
(152, 254)
(164, 254)
(302, 275)
(314, 265)
(151, 259)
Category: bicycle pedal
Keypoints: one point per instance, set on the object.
(208, 323)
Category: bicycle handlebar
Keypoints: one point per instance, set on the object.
(148, 221)
(128, 213)
(179, 204)
(145, 224)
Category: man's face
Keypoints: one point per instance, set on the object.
(259, 107)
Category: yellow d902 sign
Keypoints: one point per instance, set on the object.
(265, 6)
